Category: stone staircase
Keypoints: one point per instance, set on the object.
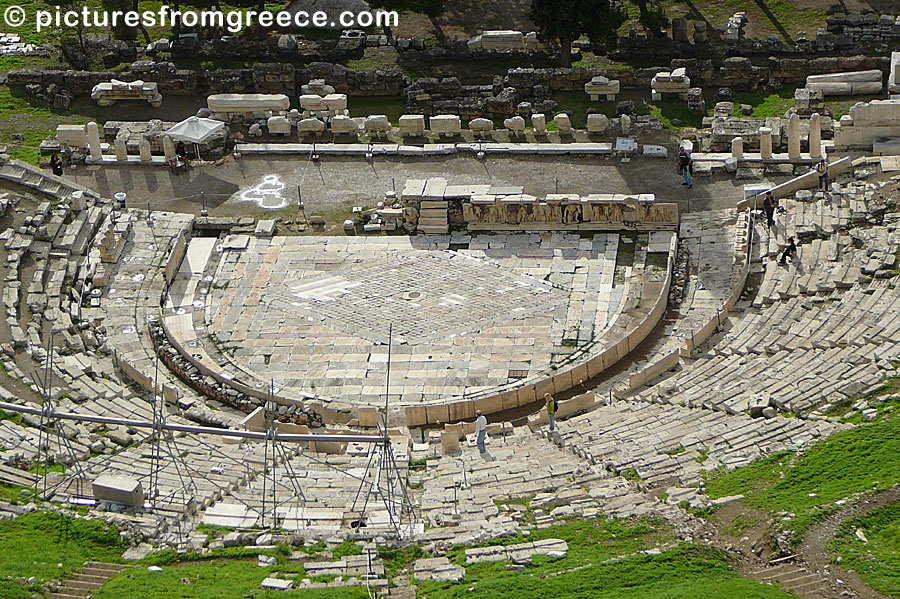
(794, 577)
(39, 180)
(433, 217)
(89, 580)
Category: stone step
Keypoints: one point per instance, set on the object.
(434, 228)
(73, 592)
(106, 566)
(815, 583)
(798, 578)
(83, 585)
(428, 204)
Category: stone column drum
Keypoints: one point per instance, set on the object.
(815, 136)
(121, 150)
(93, 138)
(765, 143)
(794, 137)
(737, 148)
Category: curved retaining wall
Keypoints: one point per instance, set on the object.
(740, 271)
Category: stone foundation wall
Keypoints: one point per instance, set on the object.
(262, 78)
(519, 91)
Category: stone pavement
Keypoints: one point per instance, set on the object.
(313, 313)
(335, 182)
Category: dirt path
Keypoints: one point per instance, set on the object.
(814, 546)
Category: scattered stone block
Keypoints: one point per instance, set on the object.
(602, 86)
(118, 489)
(597, 123)
(563, 124)
(412, 125)
(277, 584)
(481, 125)
(445, 124)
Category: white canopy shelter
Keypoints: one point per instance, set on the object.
(195, 130)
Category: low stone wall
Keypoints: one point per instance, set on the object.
(175, 257)
(263, 78)
(598, 212)
(805, 181)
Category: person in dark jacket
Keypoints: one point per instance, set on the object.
(790, 250)
(56, 165)
(686, 167)
(822, 170)
(770, 204)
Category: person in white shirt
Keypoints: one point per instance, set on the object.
(480, 431)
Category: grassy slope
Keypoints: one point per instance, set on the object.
(689, 572)
(858, 460)
(877, 561)
(35, 544)
(591, 568)
(211, 579)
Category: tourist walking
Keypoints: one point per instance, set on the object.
(769, 206)
(56, 165)
(822, 169)
(790, 250)
(686, 167)
(551, 410)
(480, 431)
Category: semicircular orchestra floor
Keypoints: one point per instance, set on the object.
(316, 313)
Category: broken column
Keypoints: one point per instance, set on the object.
(168, 148)
(815, 136)
(93, 135)
(765, 143)
(737, 148)
(121, 150)
(144, 148)
(794, 137)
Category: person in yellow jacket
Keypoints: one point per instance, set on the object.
(551, 409)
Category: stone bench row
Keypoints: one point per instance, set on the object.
(661, 442)
(33, 177)
(860, 315)
(802, 379)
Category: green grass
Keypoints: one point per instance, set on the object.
(348, 547)
(688, 572)
(862, 459)
(666, 110)
(391, 106)
(396, 559)
(741, 523)
(211, 579)
(590, 541)
(13, 494)
(878, 561)
(35, 544)
(766, 104)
